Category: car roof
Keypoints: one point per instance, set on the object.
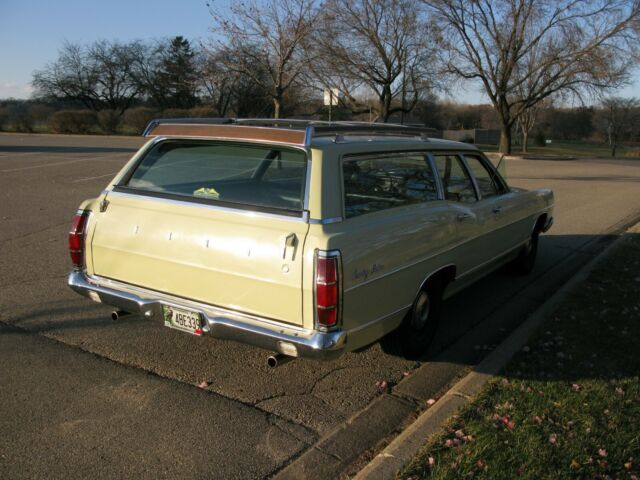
(362, 136)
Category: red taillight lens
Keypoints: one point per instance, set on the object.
(76, 239)
(327, 290)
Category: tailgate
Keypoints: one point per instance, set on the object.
(243, 261)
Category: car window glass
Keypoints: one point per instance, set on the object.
(374, 184)
(487, 183)
(248, 175)
(456, 182)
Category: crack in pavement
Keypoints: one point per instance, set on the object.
(310, 391)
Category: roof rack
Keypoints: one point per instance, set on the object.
(294, 131)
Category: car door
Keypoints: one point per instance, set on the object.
(461, 195)
(496, 211)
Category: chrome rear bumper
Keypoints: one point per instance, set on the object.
(218, 322)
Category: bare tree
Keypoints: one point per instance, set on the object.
(377, 45)
(229, 91)
(99, 76)
(267, 36)
(621, 120)
(216, 82)
(571, 45)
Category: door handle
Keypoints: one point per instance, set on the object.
(497, 210)
(289, 242)
(464, 216)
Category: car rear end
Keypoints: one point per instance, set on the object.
(205, 229)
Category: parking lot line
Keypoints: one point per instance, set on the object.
(31, 167)
(86, 179)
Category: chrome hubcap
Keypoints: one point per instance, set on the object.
(420, 315)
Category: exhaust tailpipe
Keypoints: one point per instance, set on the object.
(119, 314)
(278, 359)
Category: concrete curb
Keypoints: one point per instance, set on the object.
(405, 446)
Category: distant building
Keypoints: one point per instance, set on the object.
(477, 135)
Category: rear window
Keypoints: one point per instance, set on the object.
(241, 175)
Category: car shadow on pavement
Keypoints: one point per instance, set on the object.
(475, 321)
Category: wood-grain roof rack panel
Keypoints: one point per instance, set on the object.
(288, 131)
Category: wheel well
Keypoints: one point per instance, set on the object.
(443, 276)
(542, 219)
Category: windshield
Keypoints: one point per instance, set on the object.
(219, 172)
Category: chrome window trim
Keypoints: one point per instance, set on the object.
(464, 167)
(483, 162)
(307, 182)
(304, 213)
(434, 169)
(472, 177)
(248, 213)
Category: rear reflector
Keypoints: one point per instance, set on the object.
(327, 289)
(76, 239)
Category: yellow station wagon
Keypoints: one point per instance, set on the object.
(307, 239)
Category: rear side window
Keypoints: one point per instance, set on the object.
(456, 182)
(221, 172)
(378, 183)
(488, 182)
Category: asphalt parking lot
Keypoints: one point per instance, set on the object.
(89, 396)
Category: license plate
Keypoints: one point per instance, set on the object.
(184, 320)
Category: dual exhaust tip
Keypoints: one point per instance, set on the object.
(273, 361)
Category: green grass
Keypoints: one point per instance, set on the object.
(568, 404)
(571, 149)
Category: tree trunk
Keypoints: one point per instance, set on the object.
(525, 142)
(505, 139)
(277, 105)
(614, 146)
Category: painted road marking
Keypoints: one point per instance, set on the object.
(86, 179)
(31, 167)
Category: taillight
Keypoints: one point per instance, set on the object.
(327, 289)
(76, 239)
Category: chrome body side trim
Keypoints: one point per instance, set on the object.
(219, 322)
(325, 221)
(404, 267)
(492, 260)
(380, 319)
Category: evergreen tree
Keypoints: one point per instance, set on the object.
(179, 74)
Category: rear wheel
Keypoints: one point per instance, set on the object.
(524, 263)
(418, 328)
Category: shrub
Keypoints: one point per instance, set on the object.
(175, 113)
(4, 116)
(108, 120)
(540, 138)
(23, 122)
(73, 121)
(136, 119)
(202, 112)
